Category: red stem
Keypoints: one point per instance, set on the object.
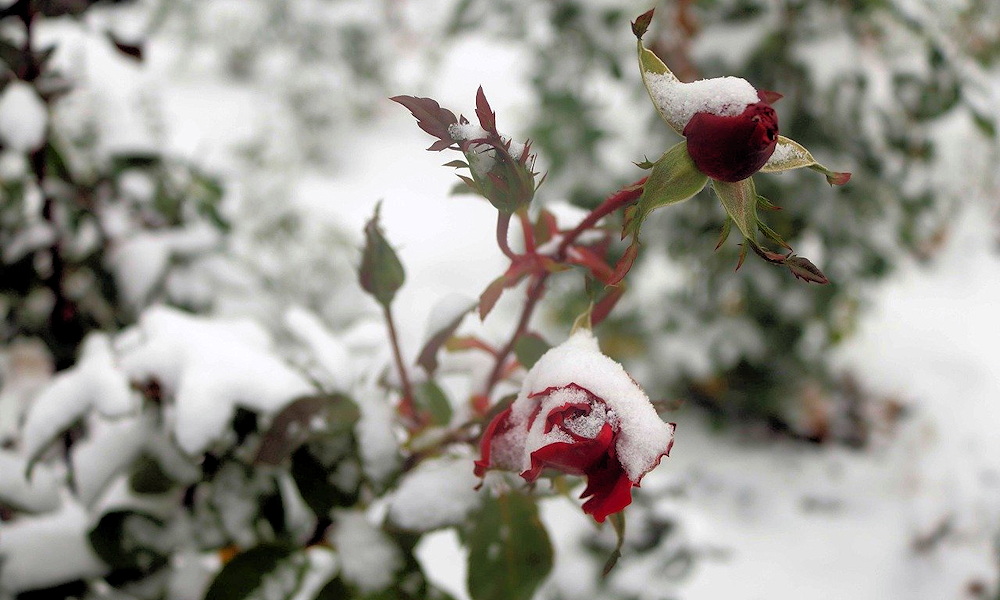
(529, 232)
(406, 407)
(503, 224)
(536, 289)
(619, 199)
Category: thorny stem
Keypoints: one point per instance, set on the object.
(503, 224)
(536, 289)
(535, 292)
(619, 199)
(406, 404)
(529, 234)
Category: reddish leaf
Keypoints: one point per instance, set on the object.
(641, 24)
(624, 264)
(488, 299)
(769, 96)
(593, 262)
(431, 118)
(838, 178)
(487, 118)
(803, 269)
(603, 308)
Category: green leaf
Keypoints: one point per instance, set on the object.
(245, 574)
(529, 348)
(336, 589)
(312, 477)
(674, 179)
(509, 550)
(618, 521)
(740, 201)
(148, 477)
(115, 541)
(431, 398)
(293, 426)
(381, 274)
(789, 154)
(773, 235)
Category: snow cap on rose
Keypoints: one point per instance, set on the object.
(580, 413)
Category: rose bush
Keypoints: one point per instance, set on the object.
(580, 413)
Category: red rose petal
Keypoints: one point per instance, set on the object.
(732, 148)
(497, 426)
(609, 489)
(574, 458)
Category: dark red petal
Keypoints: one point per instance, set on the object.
(609, 489)
(732, 148)
(574, 458)
(557, 416)
(497, 426)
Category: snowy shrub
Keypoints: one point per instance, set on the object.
(93, 220)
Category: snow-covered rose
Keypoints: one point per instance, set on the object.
(730, 127)
(579, 412)
(733, 147)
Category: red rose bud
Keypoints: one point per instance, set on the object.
(732, 148)
(580, 413)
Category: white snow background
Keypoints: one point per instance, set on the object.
(929, 339)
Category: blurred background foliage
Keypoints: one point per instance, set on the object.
(900, 92)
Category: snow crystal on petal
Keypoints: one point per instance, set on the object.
(643, 437)
(436, 494)
(678, 101)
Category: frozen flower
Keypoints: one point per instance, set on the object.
(580, 413)
(733, 147)
(731, 133)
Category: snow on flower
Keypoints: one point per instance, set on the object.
(733, 147)
(579, 412)
(730, 127)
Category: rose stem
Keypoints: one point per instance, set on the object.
(406, 404)
(503, 223)
(536, 290)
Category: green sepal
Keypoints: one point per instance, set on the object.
(790, 154)
(380, 274)
(674, 179)
(618, 522)
(650, 64)
(740, 201)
